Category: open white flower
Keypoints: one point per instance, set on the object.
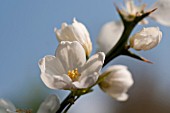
(6, 106)
(146, 39)
(50, 105)
(162, 14)
(69, 69)
(131, 11)
(75, 32)
(109, 35)
(117, 82)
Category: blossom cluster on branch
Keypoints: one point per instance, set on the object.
(74, 68)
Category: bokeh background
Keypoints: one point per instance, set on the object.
(27, 34)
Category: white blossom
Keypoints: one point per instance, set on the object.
(146, 39)
(162, 14)
(75, 32)
(109, 35)
(68, 69)
(6, 106)
(50, 105)
(131, 11)
(117, 82)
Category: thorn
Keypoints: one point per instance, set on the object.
(146, 60)
(149, 12)
(117, 8)
(130, 54)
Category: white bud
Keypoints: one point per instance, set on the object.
(109, 35)
(50, 105)
(117, 82)
(75, 32)
(146, 39)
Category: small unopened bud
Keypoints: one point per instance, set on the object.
(117, 82)
(146, 39)
(75, 32)
(50, 105)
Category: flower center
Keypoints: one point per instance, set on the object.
(73, 74)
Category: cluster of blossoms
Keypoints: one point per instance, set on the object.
(111, 32)
(74, 68)
(70, 69)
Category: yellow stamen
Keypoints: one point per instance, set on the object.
(74, 74)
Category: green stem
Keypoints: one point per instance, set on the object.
(68, 107)
(65, 102)
(117, 49)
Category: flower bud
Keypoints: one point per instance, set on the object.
(146, 39)
(117, 82)
(75, 32)
(50, 105)
(109, 35)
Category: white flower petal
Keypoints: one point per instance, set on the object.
(94, 64)
(75, 32)
(56, 81)
(162, 14)
(50, 105)
(131, 8)
(84, 39)
(90, 71)
(52, 65)
(109, 35)
(81, 31)
(116, 67)
(86, 81)
(71, 54)
(122, 97)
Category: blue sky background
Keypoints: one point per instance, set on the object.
(27, 34)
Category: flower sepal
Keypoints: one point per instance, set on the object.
(79, 92)
(102, 77)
